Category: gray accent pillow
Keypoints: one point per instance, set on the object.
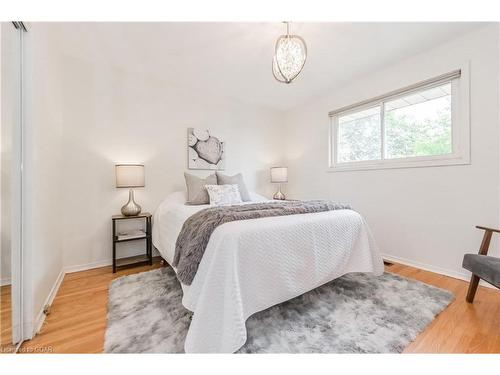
(237, 179)
(196, 191)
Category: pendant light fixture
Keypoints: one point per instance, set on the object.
(290, 53)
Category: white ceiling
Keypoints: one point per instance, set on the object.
(234, 59)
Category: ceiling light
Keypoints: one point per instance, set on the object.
(290, 53)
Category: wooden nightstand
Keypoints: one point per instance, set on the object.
(146, 236)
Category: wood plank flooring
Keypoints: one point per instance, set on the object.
(77, 321)
(462, 327)
(5, 320)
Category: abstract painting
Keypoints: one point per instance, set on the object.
(205, 151)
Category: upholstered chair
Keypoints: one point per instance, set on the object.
(481, 265)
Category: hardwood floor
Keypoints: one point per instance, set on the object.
(77, 321)
(461, 327)
(5, 320)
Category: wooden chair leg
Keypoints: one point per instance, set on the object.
(474, 281)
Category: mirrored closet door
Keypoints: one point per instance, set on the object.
(11, 108)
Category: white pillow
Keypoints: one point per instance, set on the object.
(223, 195)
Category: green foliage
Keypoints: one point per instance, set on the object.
(360, 139)
(406, 134)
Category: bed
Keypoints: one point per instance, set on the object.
(251, 265)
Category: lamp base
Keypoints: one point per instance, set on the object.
(131, 208)
(279, 195)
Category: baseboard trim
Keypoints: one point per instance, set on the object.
(465, 276)
(92, 265)
(88, 266)
(48, 301)
(5, 281)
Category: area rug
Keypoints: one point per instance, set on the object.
(357, 313)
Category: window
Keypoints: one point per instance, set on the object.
(423, 125)
(359, 136)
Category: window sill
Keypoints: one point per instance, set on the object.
(441, 161)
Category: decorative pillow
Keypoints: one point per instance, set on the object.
(238, 180)
(196, 191)
(223, 195)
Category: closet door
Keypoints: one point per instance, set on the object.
(11, 107)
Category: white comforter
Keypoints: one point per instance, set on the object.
(251, 265)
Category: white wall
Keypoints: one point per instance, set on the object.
(111, 115)
(42, 169)
(422, 215)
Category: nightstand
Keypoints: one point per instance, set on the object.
(137, 235)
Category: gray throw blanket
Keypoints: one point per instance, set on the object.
(197, 229)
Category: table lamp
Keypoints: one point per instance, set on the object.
(130, 176)
(279, 175)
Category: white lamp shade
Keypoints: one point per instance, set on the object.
(129, 175)
(279, 174)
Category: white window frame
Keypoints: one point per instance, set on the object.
(460, 122)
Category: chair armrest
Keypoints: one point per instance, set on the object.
(488, 229)
(485, 244)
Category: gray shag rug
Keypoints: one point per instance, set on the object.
(357, 313)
